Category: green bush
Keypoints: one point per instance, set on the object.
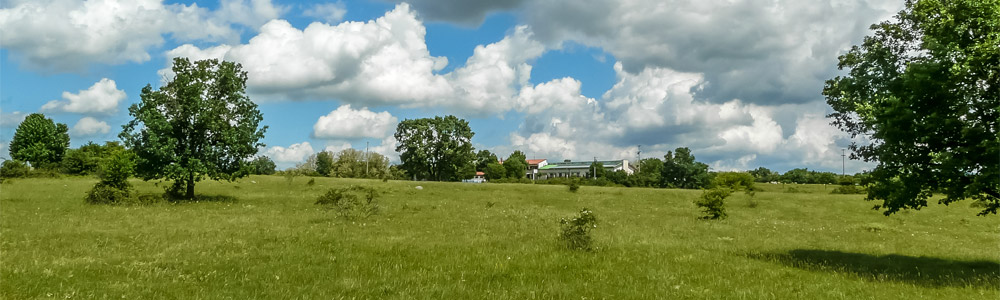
(576, 231)
(312, 182)
(113, 187)
(573, 186)
(848, 189)
(712, 202)
(14, 169)
(106, 194)
(353, 202)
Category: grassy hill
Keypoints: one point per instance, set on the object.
(263, 237)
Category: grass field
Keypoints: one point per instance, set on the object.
(263, 237)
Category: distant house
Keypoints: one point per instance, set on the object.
(533, 166)
(479, 178)
(570, 168)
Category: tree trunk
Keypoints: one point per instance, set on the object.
(190, 188)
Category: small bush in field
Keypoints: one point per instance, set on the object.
(576, 231)
(312, 182)
(353, 202)
(847, 189)
(113, 187)
(14, 169)
(713, 204)
(574, 186)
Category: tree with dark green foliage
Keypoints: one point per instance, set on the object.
(798, 175)
(438, 148)
(680, 170)
(200, 124)
(516, 165)
(113, 186)
(712, 202)
(39, 141)
(596, 170)
(650, 172)
(87, 158)
(763, 174)
(13, 168)
(324, 163)
(924, 90)
(484, 158)
(495, 171)
(262, 165)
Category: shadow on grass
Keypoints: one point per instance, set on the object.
(923, 271)
(203, 198)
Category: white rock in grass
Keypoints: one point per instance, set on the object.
(419, 187)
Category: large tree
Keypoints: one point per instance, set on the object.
(680, 170)
(324, 163)
(516, 165)
(438, 148)
(483, 159)
(924, 93)
(39, 141)
(199, 124)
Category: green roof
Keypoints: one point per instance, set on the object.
(580, 164)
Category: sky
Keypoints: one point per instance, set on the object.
(738, 82)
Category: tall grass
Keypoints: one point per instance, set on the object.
(264, 238)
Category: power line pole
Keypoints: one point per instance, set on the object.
(843, 162)
(638, 154)
(366, 158)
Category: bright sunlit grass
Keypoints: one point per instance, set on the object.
(263, 237)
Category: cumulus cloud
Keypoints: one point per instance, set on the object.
(380, 62)
(88, 126)
(293, 154)
(68, 35)
(329, 12)
(11, 120)
(461, 11)
(337, 146)
(102, 98)
(347, 123)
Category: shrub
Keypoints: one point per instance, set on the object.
(353, 202)
(573, 186)
(576, 231)
(113, 187)
(106, 194)
(14, 169)
(312, 182)
(713, 204)
(847, 189)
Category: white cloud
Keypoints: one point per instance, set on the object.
(88, 126)
(293, 154)
(387, 148)
(68, 35)
(347, 123)
(11, 120)
(329, 12)
(102, 98)
(337, 146)
(380, 62)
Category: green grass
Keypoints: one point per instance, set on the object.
(450, 240)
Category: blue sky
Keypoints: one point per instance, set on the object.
(736, 81)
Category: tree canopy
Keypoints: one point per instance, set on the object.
(483, 159)
(924, 93)
(438, 148)
(516, 165)
(199, 124)
(680, 170)
(39, 141)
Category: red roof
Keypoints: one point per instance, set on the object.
(535, 161)
(480, 173)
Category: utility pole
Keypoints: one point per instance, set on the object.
(638, 154)
(843, 162)
(366, 158)
(594, 167)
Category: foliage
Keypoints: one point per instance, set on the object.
(199, 124)
(353, 202)
(262, 165)
(13, 169)
(712, 202)
(353, 163)
(762, 174)
(311, 182)
(324, 163)
(924, 91)
(596, 170)
(804, 175)
(574, 186)
(495, 171)
(113, 186)
(483, 159)
(848, 189)
(680, 170)
(575, 232)
(39, 141)
(734, 181)
(436, 148)
(87, 158)
(650, 173)
(516, 165)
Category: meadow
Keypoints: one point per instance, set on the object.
(263, 237)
